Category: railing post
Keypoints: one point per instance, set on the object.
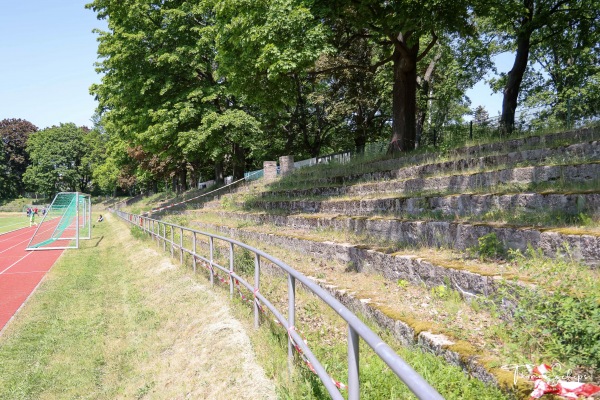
(291, 319)
(256, 287)
(212, 245)
(172, 239)
(164, 227)
(231, 285)
(353, 365)
(194, 250)
(181, 246)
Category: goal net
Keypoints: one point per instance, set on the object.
(64, 223)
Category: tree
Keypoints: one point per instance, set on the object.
(407, 31)
(159, 79)
(265, 51)
(481, 116)
(58, 160)
(524, 26)
(13, 135)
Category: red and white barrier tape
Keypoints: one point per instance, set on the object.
(568, 390)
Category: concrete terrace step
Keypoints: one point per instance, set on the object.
(583, 151)
(468, 277)
(471, 353)
(451, 205)
(583, 245)
(502, 147)
(584, 173)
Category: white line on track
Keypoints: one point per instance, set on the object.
(24, 272)
(15, 263)
(22, 241)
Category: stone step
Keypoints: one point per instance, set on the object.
(451, 205)
(587, 151)
(365, 294)
(582, 244)
(470, 278)
(554, 140)
(585, 173)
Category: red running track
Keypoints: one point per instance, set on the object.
(21, 271)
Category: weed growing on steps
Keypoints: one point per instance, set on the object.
(489, 247)
(559, 319)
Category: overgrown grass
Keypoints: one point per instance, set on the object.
(17, 205)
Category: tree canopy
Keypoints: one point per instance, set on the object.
(13, 155)
(61, 159)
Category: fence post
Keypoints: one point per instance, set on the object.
(230, 269)
(181, 246)
(212, 279)
(353, 365)
(291, 319)
(172, 239)
(194, 250)
(164, 227)
(256, 287)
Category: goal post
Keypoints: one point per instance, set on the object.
(66, 221)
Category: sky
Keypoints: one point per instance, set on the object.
(47, 56)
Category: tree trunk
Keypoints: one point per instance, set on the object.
(515, 75)
(404, 99)
(183, 186)
(219, 172)
(360, 135)
(238, 161)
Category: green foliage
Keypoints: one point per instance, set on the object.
(243, 262)
(560, 317)
(489, 247)
(60, 159)
(13, 156)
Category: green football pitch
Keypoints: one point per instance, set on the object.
(11, 221)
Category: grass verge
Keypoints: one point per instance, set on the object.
(115, 319)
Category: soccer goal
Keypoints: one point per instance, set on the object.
(65, 222)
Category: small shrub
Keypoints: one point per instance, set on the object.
(402, 283)
(490, 247)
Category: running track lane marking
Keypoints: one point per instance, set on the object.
(16, 262)
(20, 280)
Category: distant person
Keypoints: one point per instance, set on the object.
(31, 219)
(35, 211)
(28, 211)
(100, 218)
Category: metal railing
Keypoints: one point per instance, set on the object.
(166, 233)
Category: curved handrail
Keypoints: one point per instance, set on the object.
(356, 328)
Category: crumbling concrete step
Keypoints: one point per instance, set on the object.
(414, 269)
(581, 173)
(502, 147)
(461, 204)
(584, 246)
(588, 151)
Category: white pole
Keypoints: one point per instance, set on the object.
(77, 217)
